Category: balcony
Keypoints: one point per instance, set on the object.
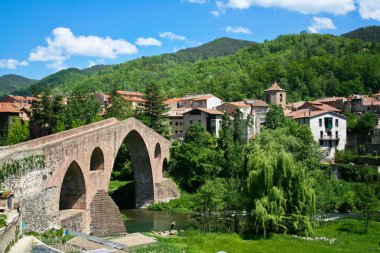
(329, 138)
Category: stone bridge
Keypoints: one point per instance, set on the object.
(71, 188)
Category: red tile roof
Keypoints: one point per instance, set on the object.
(330, 99)
(376, 95)
(256, 103)
(239, 104)
(130, 93)
(207, 110)
(203, 97)
(173, 100)
(135, 99)
(8, 108)
(306, 113)
(275, 87)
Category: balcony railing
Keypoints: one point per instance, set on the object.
(329, 137)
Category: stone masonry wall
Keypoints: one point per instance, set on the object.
(9, 233)
(28, 185)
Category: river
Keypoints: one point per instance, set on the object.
(143, 220)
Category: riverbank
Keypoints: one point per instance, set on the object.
(346, 232)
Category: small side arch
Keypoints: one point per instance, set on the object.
(97, 160)
(157, 151)
(73, 189)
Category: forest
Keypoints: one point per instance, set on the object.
(308, 66)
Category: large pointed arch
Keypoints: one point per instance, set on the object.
(142, 169)
(73, 189)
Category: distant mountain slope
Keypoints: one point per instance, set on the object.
(219, 47)
(65, 80)
(10, 83)
(369, 34)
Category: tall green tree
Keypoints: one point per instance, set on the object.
(119, 108)
(82, 108)
(275, 117)
(154, 112)
(17, 132)
(196, 160)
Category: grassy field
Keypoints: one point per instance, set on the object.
(348, 234)
(116, 184)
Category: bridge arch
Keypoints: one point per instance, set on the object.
(142, 168)
(97, 160)
(73, 189)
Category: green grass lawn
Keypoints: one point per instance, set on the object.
(116, 184)
(346, 231)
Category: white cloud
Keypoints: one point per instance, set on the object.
(64, 44)
(215, 13)
(12, 63)
(320, 23)
(369, 9)
(238, 29)
(303, 6)
(148, 42)
(56, 65)
(91, 64)
(172, 36)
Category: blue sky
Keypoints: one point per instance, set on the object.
(43, 36)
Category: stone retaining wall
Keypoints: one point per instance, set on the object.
(9, 234)
(73, 222)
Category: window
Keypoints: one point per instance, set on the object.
(328, 122)
(280, 97)
(328, 133)
(195, 112)
(330, 143)
(320, 122)
(337, 134)
(336, 123)
(176, 123)
(321, 134)
(176, 131)
(191, 122)
(199, 121)
(321, 142)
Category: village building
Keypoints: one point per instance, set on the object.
(200, 101)
(275, 95)
(177, 122)
(328, 128)
(17, 99)
(210, 119)
(259, 109)
(336, 102)
(134, 97)
(6, 200)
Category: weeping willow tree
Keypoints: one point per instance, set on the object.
(281, 199)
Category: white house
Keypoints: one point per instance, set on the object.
(328, 128)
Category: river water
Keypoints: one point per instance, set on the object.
(143, 220)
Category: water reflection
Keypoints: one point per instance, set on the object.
(143, 220)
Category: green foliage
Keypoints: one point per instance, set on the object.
(17, 132)
(46, 115)
(281, 197)
(10, 83)
(193, 162)
(18, 167)
(154, 111)
(307, 65)
(275, 117)
(369, 34)
(119, 108)
(82, 108)
(368, 201)
(182, 205)
(349, 156)
(366, 123)
(52, 236)
(3, 220)
(122, 168)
